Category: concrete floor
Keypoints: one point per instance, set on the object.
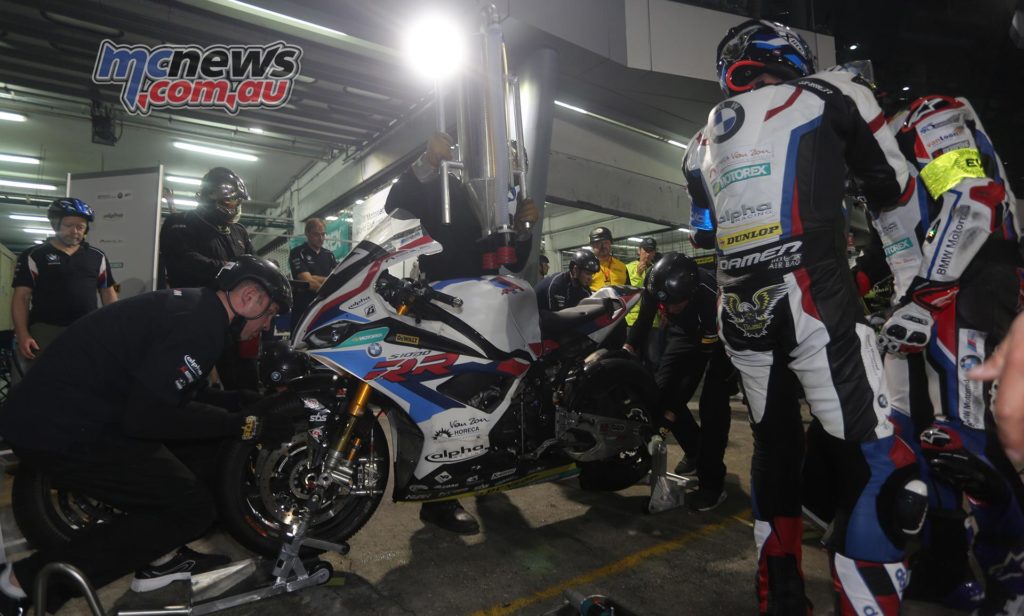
(535, 544)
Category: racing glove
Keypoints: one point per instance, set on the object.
(909, 329)
(271, 429)
(708, 342)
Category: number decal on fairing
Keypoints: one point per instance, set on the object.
(396, 370)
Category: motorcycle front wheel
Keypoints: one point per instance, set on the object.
(260, 488)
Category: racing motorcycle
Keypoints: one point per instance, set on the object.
(481, 392)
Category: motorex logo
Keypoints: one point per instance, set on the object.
(896, 247)
(188, 76)
(739, 174)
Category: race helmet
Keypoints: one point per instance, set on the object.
(673, 278)
(758, 46)
(68, 206)
(279, 364)
(221, 194)
(585, 260)
(249, 267)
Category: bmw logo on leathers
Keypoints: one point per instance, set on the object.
(727, 121)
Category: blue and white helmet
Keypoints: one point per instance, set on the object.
(758, 46)
(68, 206)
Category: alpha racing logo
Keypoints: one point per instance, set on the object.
(179, 76)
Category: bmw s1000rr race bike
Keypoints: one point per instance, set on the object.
(482, 393)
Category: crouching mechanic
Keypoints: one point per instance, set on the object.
(567, 289)
(955, 261)
(95, 410)
(688, 296)
(766, 177)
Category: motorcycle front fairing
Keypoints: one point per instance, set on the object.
(453, 372)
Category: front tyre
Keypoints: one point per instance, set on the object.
(259, 488)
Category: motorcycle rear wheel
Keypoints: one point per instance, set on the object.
(249, 502)
(49, 516)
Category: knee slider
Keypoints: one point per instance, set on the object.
(951, 462)
(903, 505)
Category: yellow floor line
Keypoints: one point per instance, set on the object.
(616, 567)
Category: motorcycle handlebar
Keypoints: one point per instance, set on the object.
(412, 289)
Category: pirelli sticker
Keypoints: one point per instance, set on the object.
(749, 235)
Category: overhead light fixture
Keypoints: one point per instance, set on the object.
(394, 181)
(635, 239)
(212, 151)
(85, 25)
(177, 179)
(286, 19)
(12, 117)
(905, 88)
(29, 218)
(12, 158)
(186, 203)
(37, 230)
(37, 241)
(330, 218)
(853, 47)
(29, 185)
(684, 230)
(256, 129)
(614, 122)
(360, 201)
(434, 46)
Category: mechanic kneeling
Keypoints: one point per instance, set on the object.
(95, 410)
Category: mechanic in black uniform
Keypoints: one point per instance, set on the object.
(418, 192)
(311, 263)
(566, 289)
(56, 282)
(688, 296)
(95, 410)
(194, 245)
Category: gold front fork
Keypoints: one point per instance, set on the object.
(339, 462)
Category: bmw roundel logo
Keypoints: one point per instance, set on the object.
(374, 349)
(883, 401)
(275, 376)
(727, 121)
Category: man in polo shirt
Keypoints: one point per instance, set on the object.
(613, 271)
(56, 282)
(311, 263)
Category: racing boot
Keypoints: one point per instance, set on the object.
(451, 516)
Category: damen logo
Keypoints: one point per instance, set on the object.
(219, 76)
(727, 121)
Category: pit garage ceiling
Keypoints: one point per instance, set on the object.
(351, 88)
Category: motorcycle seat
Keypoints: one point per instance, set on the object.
(562, 324)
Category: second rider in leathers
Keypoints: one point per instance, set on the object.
(766, 179)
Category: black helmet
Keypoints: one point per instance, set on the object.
(262, 271)
(279, 364)
(219, 185)
(757, 46)
(68, 206)
(600, 233)
(673, 278)
(585, 260)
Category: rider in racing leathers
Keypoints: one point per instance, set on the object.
(955, 262)
(766, 179)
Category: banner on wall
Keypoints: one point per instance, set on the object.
(127, 225)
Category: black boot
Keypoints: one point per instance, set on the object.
(450, 516)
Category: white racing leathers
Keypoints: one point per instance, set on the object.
(961, 238)
(766, 176)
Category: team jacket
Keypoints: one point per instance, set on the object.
(766, 175)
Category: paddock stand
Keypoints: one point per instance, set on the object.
(668, 490)
(289, 574)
